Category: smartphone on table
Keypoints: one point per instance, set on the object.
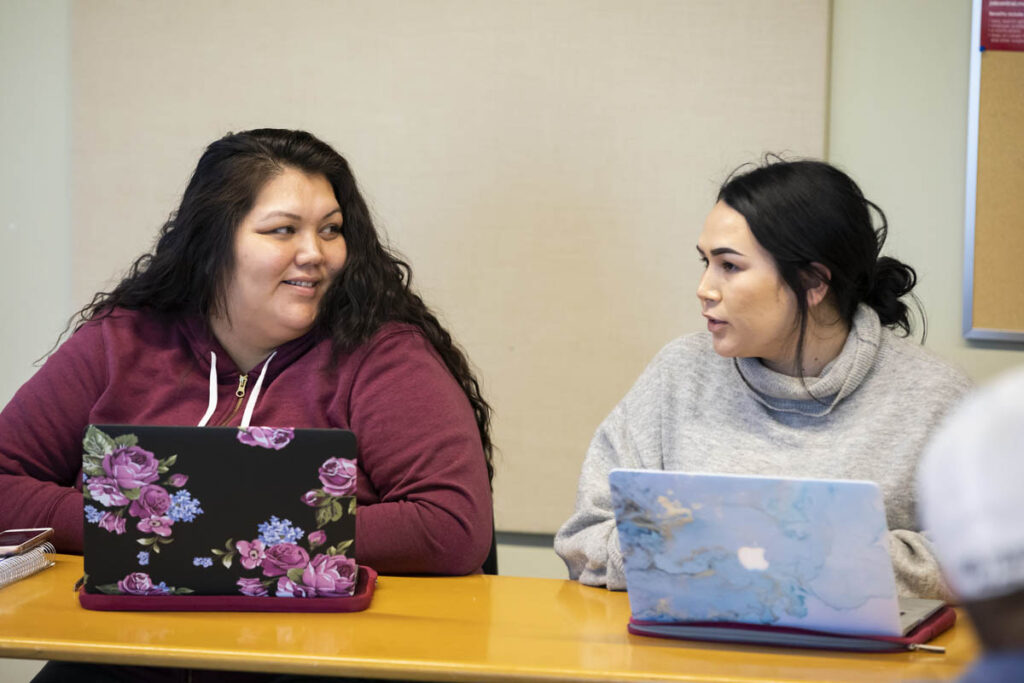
(17, 541)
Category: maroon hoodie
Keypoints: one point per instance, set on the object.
(425, 502)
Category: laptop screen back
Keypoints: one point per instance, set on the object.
(219, 510)
(759, 550)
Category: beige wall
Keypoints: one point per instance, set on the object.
(545, 166)
(35, 211)
(898, 124)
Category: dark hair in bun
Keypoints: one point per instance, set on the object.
(805, 212)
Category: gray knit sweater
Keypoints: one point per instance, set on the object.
(694, 410)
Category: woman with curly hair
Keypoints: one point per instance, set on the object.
(271, 266)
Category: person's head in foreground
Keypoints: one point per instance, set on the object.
(971, 492)
(791, 253)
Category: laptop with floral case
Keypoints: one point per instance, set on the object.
(218, 511)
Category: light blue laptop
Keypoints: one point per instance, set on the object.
(801, 553)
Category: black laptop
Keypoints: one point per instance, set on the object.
(219, 511)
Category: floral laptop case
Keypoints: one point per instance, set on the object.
(219, 511)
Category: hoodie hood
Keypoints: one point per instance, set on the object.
(201, 342)
(214, 360)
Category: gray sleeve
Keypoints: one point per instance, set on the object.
(917, 570)
(629, 437)
(588, 541)
(913, 560)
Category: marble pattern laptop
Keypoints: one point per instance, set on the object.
(801, 553)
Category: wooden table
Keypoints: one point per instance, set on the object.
(477, 628)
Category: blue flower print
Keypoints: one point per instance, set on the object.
(92, 515)
(143, 558)
(202, 561)
(184, 507)
(277, 531)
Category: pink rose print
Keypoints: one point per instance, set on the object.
(139, 583)
(317, 538)
(278, 559)
(112, 523)
(250, 554)
(106, 492)
(131, 466)
(309, 498)
(338, 476)
(331, 576)
(252, 587)
(178, 480)
(286, 588)
(161, 526)
(153, 501)
(266, 437)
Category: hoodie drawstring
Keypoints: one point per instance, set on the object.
(212, 405)
(251, 405)
(253, 396)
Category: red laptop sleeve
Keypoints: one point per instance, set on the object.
(777, 636)
(356, 602)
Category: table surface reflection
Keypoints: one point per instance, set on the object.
(476, 628)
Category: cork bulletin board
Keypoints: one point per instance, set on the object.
(994, 234)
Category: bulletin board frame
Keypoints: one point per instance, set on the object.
(993, 297)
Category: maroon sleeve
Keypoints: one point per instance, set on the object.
(40, 447)
(420, 449)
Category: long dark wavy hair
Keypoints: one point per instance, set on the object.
(804, 212)
(189, 269)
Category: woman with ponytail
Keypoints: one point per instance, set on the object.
(805, 369)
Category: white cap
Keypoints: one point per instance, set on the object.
(971, 491)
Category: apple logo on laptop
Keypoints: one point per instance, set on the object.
(752, 558)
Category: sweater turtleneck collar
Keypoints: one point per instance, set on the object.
(817, 396)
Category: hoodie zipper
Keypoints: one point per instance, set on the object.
(240, 393)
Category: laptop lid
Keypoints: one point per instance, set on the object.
(760, 550)
(219, 511)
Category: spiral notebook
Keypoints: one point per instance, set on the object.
(17, 567)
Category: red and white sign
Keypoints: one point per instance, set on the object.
(1002, 25)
